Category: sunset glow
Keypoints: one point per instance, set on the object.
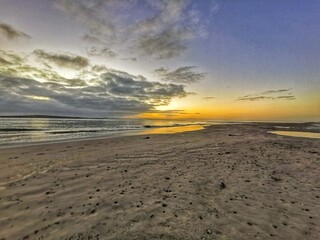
(220, 60)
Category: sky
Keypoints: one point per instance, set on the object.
(161, 59)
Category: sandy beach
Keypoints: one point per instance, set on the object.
(222, 182)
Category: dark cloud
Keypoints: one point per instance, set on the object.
(4, 62)
(185, 75)
(99, 68)
(270, 94)
(101, 52)
(289, 97)
(11, 33)
(257, 98)
(155, 93)
(177, 111)
(132, 59)
(63, 60)
(208, 98)
(103, 92)
(276, 91)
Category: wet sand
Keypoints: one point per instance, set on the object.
(223, 182)
(297, 134)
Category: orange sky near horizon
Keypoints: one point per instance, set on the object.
(304, 108)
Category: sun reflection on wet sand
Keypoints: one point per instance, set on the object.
(297, 134)
(171, 130)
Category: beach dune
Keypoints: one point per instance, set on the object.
(222, 182)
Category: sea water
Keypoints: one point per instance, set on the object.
(21, 131)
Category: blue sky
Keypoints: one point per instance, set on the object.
(217, 50)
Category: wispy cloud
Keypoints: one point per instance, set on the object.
(185, 75)
(132, 59)
(208, 98)
(163, 33)
(166, 34)
(167, 44)
(101, 52)
(276, 91)
(257, 98)
(93, 39)
(289, 97)
(65, 60)
(96, 14)
(270, 94)
(11, 33)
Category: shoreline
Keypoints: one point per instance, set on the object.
(140, 132)
(222, 182)
(301, 134)
(286, 126)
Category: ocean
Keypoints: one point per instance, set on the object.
(23, 131)
(27, 131)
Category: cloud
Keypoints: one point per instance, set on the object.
(165, 32)
(101, 52)
(11, 57)
(98, 15)
(164, 113)
(109, 96)
(132, 59)
(63, 60)
(289, 97)
(208, 98)
(92, 39)
(257, 98)
(18, 66)
(270, 94)
(11, 64)
(276, 91)
(214, 8)
(99, 68)
(167, 44)
(177, 111)
(184, 75)
(11, 33)
(155, 93)
(97, 91)
(4, 62)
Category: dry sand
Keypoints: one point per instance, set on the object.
(224, 182)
